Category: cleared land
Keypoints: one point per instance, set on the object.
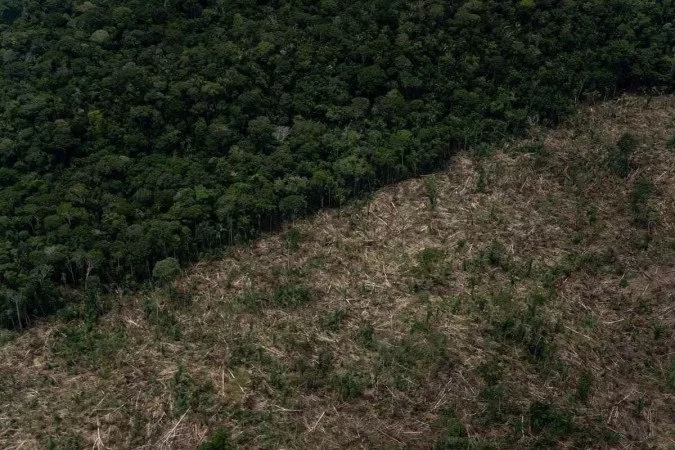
(523, 298)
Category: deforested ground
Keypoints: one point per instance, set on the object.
(524, 297)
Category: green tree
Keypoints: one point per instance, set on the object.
(166, 270)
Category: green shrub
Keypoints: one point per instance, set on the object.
(87, 345)
(643, 190)
(584, 386)
(161, 319)
(253, 300)
(366, 335)
(546, 418)
(414, 357)
(431, 187)
(453, 432)
(429, 258)
(6, 337)
(492, 394)
(481, 180)
(190, 393)
(220, 440)
(432, 269)
(291, 295)
(349, 385)
(315, 374)
(292, 239)
(70, 441)
(333, 320)
(166, 270)
(619, 159)
(527, 329)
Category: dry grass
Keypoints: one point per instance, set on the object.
(529, 308)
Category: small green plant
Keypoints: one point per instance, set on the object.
(429, 258)
(163, 320)
(481, 180)
(592, 215)
(670, 378)
(182, 385)
(292, 239)
(349, 385)
(591, 262)
(288, 295)
(491, 372)
(367, 336)
(189, 392)
(503, 299)
(526, 329)
(314, 374)
(638, 406)
(86, 344)
(219, 441)
(546, 418)
(492, 397)
(315, 262)
(277, 376)
(243, 349)
(333, 320)
(551, 275)
(492, 394)
(432, 269)
(643, 307)
(413, 358)
(68, 442)
(6, 337)
(431, 187)
(642, 192)
(253, 300)
(611, 437)
(496, 255)
(94, 305)
(658, 330)
(461, 245)
(584, 386)
(291, 295)
(589, 322)
(452, 432)
(619, 160)
(455, 304)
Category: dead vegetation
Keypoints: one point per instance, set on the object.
(523, 298)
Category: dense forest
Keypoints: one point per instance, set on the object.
(135, 131)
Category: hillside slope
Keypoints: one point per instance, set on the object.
(523, 298)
